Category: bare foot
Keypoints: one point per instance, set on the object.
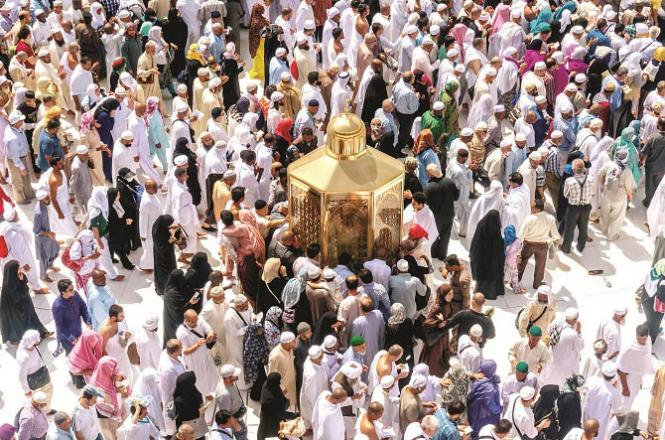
(55, 269)
(48, 279)
(42, 291)
(118, 278)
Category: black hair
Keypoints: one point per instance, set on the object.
(456, 408)
(115, 310)
(420, 197)
(238, 193)
(226, 217)
(63, 285)
(365, 276)
(313, 249)
(516, 178)
(260, 204)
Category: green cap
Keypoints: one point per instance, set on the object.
(357, 340)
(522, 367)
(535, 331)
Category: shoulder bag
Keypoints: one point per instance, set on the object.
(40, 377)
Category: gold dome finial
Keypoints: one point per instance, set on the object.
(346, 135)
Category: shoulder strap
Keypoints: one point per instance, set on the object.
(240, 316)
(539, 316)
(40, 356)
(512, 417)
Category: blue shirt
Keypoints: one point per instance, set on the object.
(277, 67)
(99, 302)
(16, 146)
(67, 314)
(217, 47)
(49, 145)
(405, 99)
(447, 428)
(569, 130)
(425, 158)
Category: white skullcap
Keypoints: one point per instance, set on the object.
(544, 289)
(505, 143)
(229, 370)
(15, 117)
(556, 134)
(596, 123)
(329, 342)
(540, 65)
(238, 298)
(435, 29)
(540, 99)
(328, 274)
(571, 313)
(38, 12)
(520, 137)
(151, 322)
(309, 25)
(620, 310)
(43, 52)
(41, 194)
(515, 13)
(577, 29)
(580, 78)
(609, 369)
(641, 28)
(566, 107)
(286, 337)
(402, 265)
(215, 82)
(124, 14)
(527, 393)
(387, 381)
(466, 131)
(120, 90)
(535, 155)
(315, 351)
(285, 76)
(181, 107)
(280, 52)
(55, 30)
(482, 125)
(332, 12)
(441, 7)
(558, 57)
(509, 51)
(411, 29)
(476, 330)
(499, 108)
(610, 15)
(127, 136)
(202, 71)
(276, 96)
(460, 68)
(352, 370)
(81, 149)
(39, 397)
(452, 53)
(437, 106)
(302, 39)
(180, 161)
(490, 72)
(484, 16)
(313, 272)
(418, 381)
(571, 87)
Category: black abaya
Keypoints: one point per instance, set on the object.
(264, 297)
(374, 97)
(129, 191)
(176, 302)
(545, 408)
(175, 31)
(569, 404)
(186, 398)
(119, 232)
(198, 272)
(163, 251)
(274, 407)
(487, 256)
(231, 89)
(324, 327)
(17, 312)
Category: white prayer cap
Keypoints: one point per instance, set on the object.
(558, 57)
(39, 397)
(499, 108)
(251, 86)
(239, 298)
(530, 85)
(441, 7)
(229, 174)
(344, 74)
(577, 29)
(220, 144)
(310, 25)
(435, 29)
(120, 90)
(181, 107)
(15, 117)
(55, 30)
(387, 381)
(544, 289)
(402, 265)
(82, 149)
(571, 87)
(484, 16)
(515, 13)
(482, 125)
(556, 134)
(285, 76)
(610, 15)
(352, 370)
(540, 99)
(571, 313)
(418, 381)
(286, 337)
(180, 161)
(315, 352)
(182, 88)
(151, 322)
(202, 71)
(216, 292)
(329, 342)
(620, 310)
(609, 369)
(329, 274)
(38, 12)
(10, 213)
(127, 135)
(460, 68)
(43, 52)
(505, 143)
(314, 272)
(276, 96)
(641, 29)
(535, 155)
(596, 123)
(411, 29)
(3, 79)
(452, 53)
(543, 150)
(491, 72)
(509, 51)
(301, 39)
(215, 82)
(57, 3)
(437, 106)
(229, 370)
(527, 393)
(476, 330)
(41, 194)
(520, 137)
(124, 14)
(466, 131)
(566, 107)
(580, 78)
(332, 12)
(540, 65)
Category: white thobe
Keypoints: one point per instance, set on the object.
(511, 35)
(20, 248)
(123, 157)
(169, 370)
(636, 361)
(424, 218)
(184, 214)
(235, 326)
(149, 210)
(264, 160)
(62, 226)
(200, 360)
(328, 27)
(610, 332)
(245, 177)
(148, 346)
(314, 383)
(567, 354)
(310, 92)
(120, 119)
(601, 399)
(216, 161)
(288, 35)
(214, 315)
(327, 420)
(469, 354)
(141, 146)
(390, 417)
(420, 60)
(303, 13)
(521, 417)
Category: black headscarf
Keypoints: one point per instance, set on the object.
(186, 397)
(546, 402)
(182, 149)
(199, 271)
(324, 327)
(175, 31)
(176, 302)
(17, 313)
(272, 391)
(535, 44)
(107, 105)
(162, 251)
(118, 238)
(487, 250)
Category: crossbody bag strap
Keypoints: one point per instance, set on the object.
(512, 418)
(240, 316)
(539, 316)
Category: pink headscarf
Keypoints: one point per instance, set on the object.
(230, 51)
(459, 33)
(86, 352)
(501, 16)
(86, 122)
(258, 243)
(102, 378)
(151, 107)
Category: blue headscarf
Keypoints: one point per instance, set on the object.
(509, 235)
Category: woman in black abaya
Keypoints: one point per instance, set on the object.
(175, 31)
(324, 327)
(272, 282)
(119, 229)
(187, 401)
(163, 251)
(17, 313)
(128, 188)
(487, 256)
(178, 298)
(182, 149)
(199, 271)
(274, 407)
(545, 408)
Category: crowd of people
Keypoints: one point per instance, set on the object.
(126, 137)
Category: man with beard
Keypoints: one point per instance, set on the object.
(45, 69)
(46, 247)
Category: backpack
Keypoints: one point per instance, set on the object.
(67, 261)
(4, 250)
(530, 324)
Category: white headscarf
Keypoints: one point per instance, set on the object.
(98, 15)
(98, 203)
(30, 339)
(492, 199)
(147, 385)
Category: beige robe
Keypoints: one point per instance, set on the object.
(197, 93)
(305, 64)
(656, 405)
(209, 101)
(91, 139)
(214, 314)
(281, 361)
(46, 70)
(151, 88)
(291, 100)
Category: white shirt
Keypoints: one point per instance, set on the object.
(85, 422)
(521, 417)
(610, 332)
(245, 177)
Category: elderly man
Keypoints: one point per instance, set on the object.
(99, 298)
(184, 211)
(32, 422)
(236, 320)
(19, 162)
(214, 313)
(404, 287)
(80, 180)
(149, 210)
(194, 334)
(170, 367)
(566, 343)
(315, 383)
(280, 360)
(579, 191)
(124, 156)
(46, 247)
(327, 419)
(520, 414)
(229, 399)
(138, 126)
(602, 398)
(469, 352)
(19, 247)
